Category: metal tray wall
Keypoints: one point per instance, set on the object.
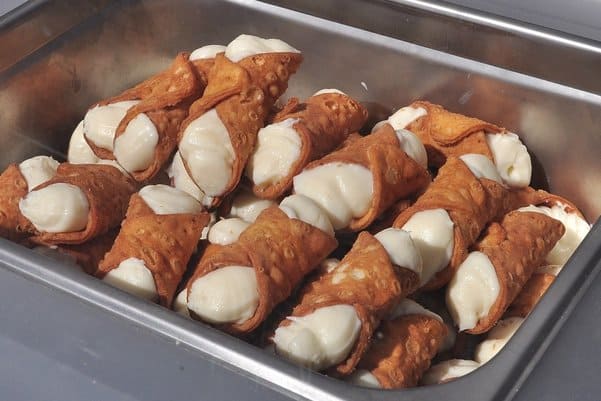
(44, 95)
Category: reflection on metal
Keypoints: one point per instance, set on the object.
(37, 23)
(514, 45)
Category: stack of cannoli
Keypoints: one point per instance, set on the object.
(219, 134)
(138, 129)
(441, 241)
(236, 286)
(363, 178)
(299, 134)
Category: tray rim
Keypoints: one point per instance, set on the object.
(148, 315)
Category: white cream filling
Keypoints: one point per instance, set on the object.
(448, 370)
(79, 151)
(134, 277)
(472, 291)
(432, 233)
(181, 180)
(227, 231)
(205, 52)
(511, 158)
(497, 338)
(481, 167)
(56, 208)
(163, 199)
(134, 149)
(207, 150)
(411, 145)
(37, 170)
(226, 295)
(278, 148)
(410, 307)
(180, 304)
(248, 45)
(401, 249)
(205, 231)
(320, 339)
(247, 206)
(332, 90)
(303, 208)
(405, 116)
(100, 123)
(364, 378)
(576, 229)
(343, 190)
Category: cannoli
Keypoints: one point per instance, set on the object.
(446, 220)
(15, 182)
(576, 227)
(219, 135)
(80, 202)
(79, 151)
(332, 326)
(497, 338)
(449, 370)
(447, 134)
(503, 260)
(157, 238)
(363, 178)
(139, 127)
(299, 134)
(533, 291)
(403, 348)
(241, 211)
(236, 286)
(87, 255)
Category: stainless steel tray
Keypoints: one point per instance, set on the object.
(44, 94)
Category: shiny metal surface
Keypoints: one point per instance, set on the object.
(44, 95)
(477, 35)
(38, 22)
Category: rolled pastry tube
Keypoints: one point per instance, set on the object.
(89, 254)
(576, 226)
(533, 291)
(219, 135)
(299, 134)
(15, 182)
(333, 323)
(445, 134)
(404, 346)
(450, 215)
(236, 286)
(157, 238)
(81, 202)
(497, 338)
(139, 127)
(446, 371)
(504, 258)
(359, 181)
